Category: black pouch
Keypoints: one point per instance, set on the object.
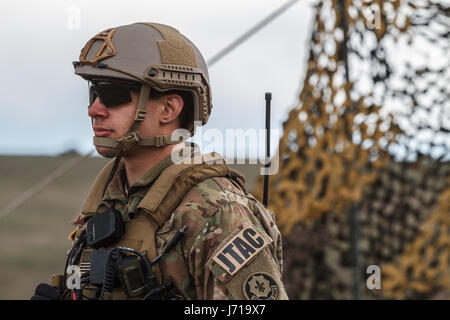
(97, 270)
(104, 229)
(132, 276)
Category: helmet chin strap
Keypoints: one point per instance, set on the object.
(132, 137)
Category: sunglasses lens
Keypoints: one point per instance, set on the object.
(92, 95)
(110, 94)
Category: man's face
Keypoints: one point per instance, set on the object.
(114, 122)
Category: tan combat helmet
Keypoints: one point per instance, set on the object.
(155, 55)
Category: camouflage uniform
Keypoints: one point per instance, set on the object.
(216, 210)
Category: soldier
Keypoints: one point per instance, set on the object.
(213, 239)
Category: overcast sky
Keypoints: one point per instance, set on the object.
(44, 105)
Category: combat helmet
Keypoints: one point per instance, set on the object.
(156, 56)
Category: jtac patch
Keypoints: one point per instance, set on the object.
(240, 249)
(261, 286)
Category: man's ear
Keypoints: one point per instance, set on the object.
(173, 104)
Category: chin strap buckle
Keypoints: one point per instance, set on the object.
(160, 141)
(126, 142)
(140, 115)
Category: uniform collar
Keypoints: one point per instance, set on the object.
(115, 190)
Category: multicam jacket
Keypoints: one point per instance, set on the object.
(232, 249)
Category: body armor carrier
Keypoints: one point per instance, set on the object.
(139, 236)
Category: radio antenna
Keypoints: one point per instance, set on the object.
(268, 97)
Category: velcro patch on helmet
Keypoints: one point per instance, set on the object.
(174, 49)
(240, 249)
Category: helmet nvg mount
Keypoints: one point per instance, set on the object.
(155, 55)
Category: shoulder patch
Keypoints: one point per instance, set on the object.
(240, 249)
(261, 286)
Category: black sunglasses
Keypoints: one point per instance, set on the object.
(111, 93)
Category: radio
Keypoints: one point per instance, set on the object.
(104, 229)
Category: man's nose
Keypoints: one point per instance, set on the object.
(97, 109)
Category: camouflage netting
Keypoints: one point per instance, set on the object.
(403, 229)
(354, 187)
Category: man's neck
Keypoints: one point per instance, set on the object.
(143, 159)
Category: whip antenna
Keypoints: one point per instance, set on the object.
(267, 164)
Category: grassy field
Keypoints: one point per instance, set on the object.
(33, 237)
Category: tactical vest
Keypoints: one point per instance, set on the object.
(162, 198)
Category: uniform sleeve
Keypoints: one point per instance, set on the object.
(234, 258)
